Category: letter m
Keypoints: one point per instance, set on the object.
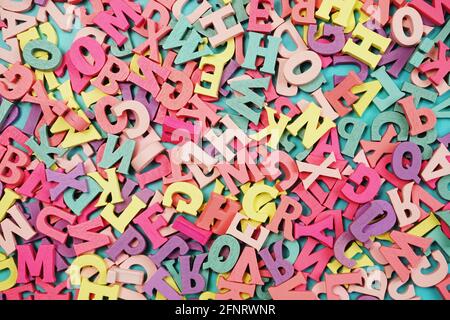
(42, 262)
(433, 12)
(108, 22)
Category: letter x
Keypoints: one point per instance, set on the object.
(65, 181)
(320, 170)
